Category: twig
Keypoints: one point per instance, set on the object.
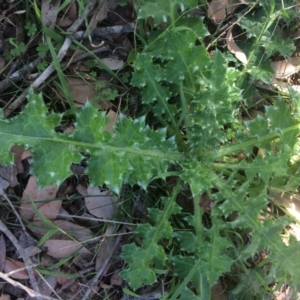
(84, 56)
(51, 68)
(18, 75)
(102, 31)
(102, 270)
(29, 291)
(24, 256)
(79, 58)
(2, 194)
(24, 71)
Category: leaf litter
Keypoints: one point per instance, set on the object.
(43, 212)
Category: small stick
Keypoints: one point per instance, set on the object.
(102, 31)
(51, 68)
(2, 194)
(18, 75)
(29, 291)
(102, 270)
(24, 256)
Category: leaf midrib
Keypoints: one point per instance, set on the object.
(103, 147)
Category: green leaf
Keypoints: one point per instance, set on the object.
(133, 153)
(140, 260)
(211, 257)
(164, 65)
(34, 129)
(163, 11)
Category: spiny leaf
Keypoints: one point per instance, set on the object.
(139, 259)
(134, 153)
(163, 11)
(211, 258)
(34, 129)
(166, 64)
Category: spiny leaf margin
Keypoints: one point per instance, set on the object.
(133, 154)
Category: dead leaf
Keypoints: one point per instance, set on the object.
(80, 90)
(13, 266)
(234, 48)
(291, 202)
(101, 204)
(3, 185)
(69, 15)
(63, 248)
(285, 293)
(26, 154)
(50, 210)
(31, 251)
(18, 151)
(62, 280)
(101, 14)
(32, 193)
(9, 173)
(48, 284)
(105, 247)
(4, 297)
(49, 11)
(78, 232)
(116, 279)
(2, 252)
(218, 292)
(285, 68)
(219, 9)
(113, 63)
(113, 118)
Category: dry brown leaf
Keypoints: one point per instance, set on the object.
(49, 11)
(50, 210)
(2, 252)
(69, 16)
(31, 251)
(113, 63)
(105, 247)
(113, 118)
(116, 279)
(285, 68)
(81, 189)
(101, 204)
(26, 154)
(76, 231)
(63, 248)
(3, 184)
(234, 48)
(48, 284)
(9, 173)
(219, 9)
(62, 280)
(4, 297)
(18, 152)
(286, 293)
(101, 14)
(80, 90)
(218, 292)
(32, 193)
(291, 202)
(13, 266)
(18, 25)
